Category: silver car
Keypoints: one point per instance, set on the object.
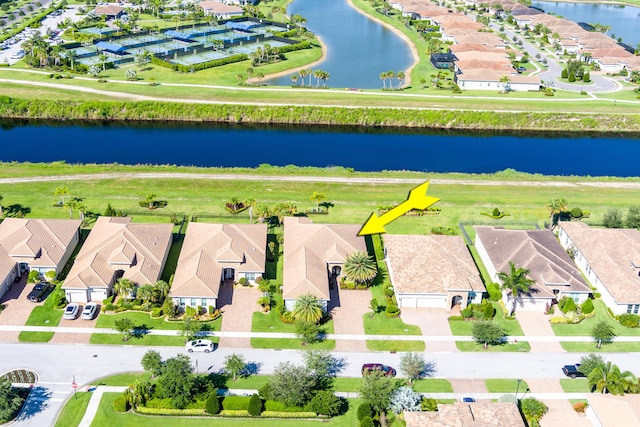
(199, 345)
(71, 312)
(89, 311)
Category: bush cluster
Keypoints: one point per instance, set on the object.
(121, 404)
(629, 320)
(587, 306)
(235, 403)
(495, 294)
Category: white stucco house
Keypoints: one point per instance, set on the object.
(432, 271)
(610, 259)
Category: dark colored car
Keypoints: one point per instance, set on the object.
(468, 399)
(572, 371)
(39, 292)
(371, 367)
(521, 70)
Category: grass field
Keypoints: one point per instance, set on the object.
(578, 385)
(584, 328)
(590, 347)
(73, 411)
(521, 346)
(502, 385)
(42, 315)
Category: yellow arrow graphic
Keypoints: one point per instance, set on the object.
(417, 199)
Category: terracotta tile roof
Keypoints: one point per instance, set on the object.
(480, 75)
(482, 38)
(615, 411)
(114, 241)
(109, 10)
(477, 414)
(217, 7)
(42, 241)
(536, 250)
(431, 264)
(209, 248)
(473, 47)
(308, 248)
(7, 263)
(610, 252)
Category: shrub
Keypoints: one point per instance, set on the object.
(275, 406)
(467, 312)
(565, 73)
(388, 292)
(366, 422)
(364, 410)
(236, 403)
(301, 414)
(567, 304)
(489, 312)
(494, 292)
(576, 213)
(456, 318)
(121, 403)
(242, 281)
(392, 310)
(255, 405)
(325, 403)
(212, 405)
(108, 300)
(580, 407)
(496, 212)
(169, 411)
(34, 276)
(156, 312)
(429, 404)
(629, 320)
(58, 298)
(587, 306)
(189, 311)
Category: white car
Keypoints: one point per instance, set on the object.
(199, 345)
(71, 312)
(89, 311)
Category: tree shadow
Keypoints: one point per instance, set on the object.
(16, 211)
(251, 368)
(430, 369)
(327, 205)
(36, 402)
(140, 331)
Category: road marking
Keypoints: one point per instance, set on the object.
(53, 383)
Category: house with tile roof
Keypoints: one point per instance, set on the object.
(217, 254)
(42, 245)
(111, 11)
(608, 410)
(314, 255)
(220, 10)
(610, 259)
(432, 271)
(462, 414)
(117, 248)
(550, 267)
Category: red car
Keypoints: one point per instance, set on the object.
(372, 367)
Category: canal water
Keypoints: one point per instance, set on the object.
(370, 150)
(623, 20)
(358, 48)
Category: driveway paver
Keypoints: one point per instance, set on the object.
(73, 338)
(237, 305)
(561, 414)
(468, 386)
(537, 324)
(432, 321)
(347, 308)
(17, 308)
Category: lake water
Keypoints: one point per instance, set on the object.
(358, 48)
(371, 150)
(624, 20)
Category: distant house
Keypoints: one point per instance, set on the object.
(462, 414)
(41, 245)
(554, 273)
(314, 255)
(432, 271)
(607, 410)
(443, 60)
(216, 253)
(220, 10)
(610, 259)
(117, 248)
(111, 11)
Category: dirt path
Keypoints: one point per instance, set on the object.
(322, 179)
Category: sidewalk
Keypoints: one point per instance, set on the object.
(361, 337)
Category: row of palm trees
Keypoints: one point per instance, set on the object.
(321, 77)
(148, 294)
(390, 75)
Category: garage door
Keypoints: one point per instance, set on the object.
(76, 296)
(408, 302)
(98, 295)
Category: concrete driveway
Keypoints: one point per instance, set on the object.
(347, 308)
(67, 338)
(537, 324)
(432, 321)
(17, 308)
(237, 305)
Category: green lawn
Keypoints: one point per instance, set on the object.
(146, 340)
(432, 385)
(291, 343)
(521, 346)
(380, 324)
(395, 345)
(463, 327)
(141, 319)
(584, 328)
(123, 379)
(73, 411)
(578, 385)
(502, 385)
(590, 347)
(107, 417)
(42, 315)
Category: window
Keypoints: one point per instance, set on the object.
(633, 308)
(203, 302)
(181, 302)
(250, 276)
(193, 302)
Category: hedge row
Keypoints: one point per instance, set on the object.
(167, 411)
(294, 47)
(224, 413)
(201, 66)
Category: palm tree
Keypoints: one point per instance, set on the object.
(103, 59)
(250, 203)
(309, 72)
(607, 378)
(360, 268)
(62, 192)
(124, 288)
(162, 289)
(260, 76)
(317, 197)
(516, 281)
(400, 76)
(505, 83)
(383, 77)
(294, 79)
(317, 74)
(555, 207)
(303, 74)
(146, 293)
(390, 76)
(139, 392)
(307, 309)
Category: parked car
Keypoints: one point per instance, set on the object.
(39, 292)
(371, 367)
(521, 70)
(572, 371)
(199, 345)
(89, 311)
(468, 399)
(71, 312)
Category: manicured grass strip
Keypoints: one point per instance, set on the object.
(141, 319)
(73, 411)
(107, 417)
(463, 327)
(394, 345)
(578, 385)
(584, 328)
(588, 347)
(432, 385)
(290, 343)
(347, 384)
(123, 379)
(27, 336)
(380, 324)
(147, 340)
(473, 346)
(503, 385)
